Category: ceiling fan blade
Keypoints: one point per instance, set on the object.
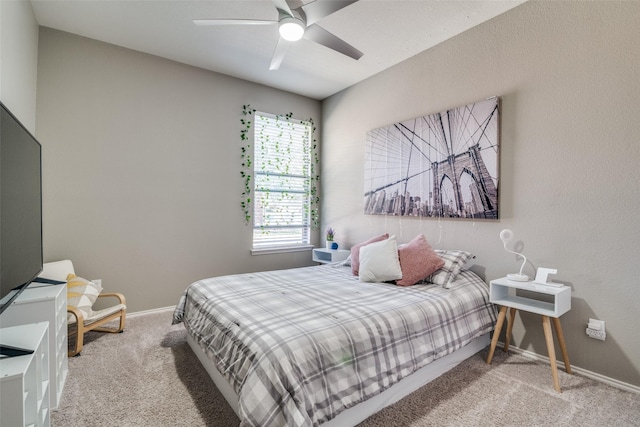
(283, 7)
(321, 36)
(278, 55)
(233, 22)
(318, 9)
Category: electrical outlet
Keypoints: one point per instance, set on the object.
(596, 329)
(594, 333)
(596, 324)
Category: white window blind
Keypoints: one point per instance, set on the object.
(282, 204)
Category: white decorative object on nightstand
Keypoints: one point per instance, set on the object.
(550, 302)
(326, 256)
(506, 236)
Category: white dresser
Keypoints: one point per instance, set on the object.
(46, 303)
(25, 380)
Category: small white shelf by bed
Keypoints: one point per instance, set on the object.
(550, 302)
(327, 256)
(505, 292)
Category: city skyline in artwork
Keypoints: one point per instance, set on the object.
(441, 165)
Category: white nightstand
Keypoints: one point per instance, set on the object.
(327, 256)
(548, 301)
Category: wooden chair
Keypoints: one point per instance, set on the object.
(77, 324)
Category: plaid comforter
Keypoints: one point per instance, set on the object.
(299, 346)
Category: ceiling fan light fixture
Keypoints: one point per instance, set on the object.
(291, 28)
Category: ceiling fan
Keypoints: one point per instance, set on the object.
(297, 20)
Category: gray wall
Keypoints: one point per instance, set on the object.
(141, 161)
(568, 76)
(18, 60)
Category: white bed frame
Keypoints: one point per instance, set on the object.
(363, 410)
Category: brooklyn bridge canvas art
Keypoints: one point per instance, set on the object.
(440, 165)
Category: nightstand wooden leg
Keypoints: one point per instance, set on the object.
(512, 317)
(548, 336)
(563, 346)
(496, 332)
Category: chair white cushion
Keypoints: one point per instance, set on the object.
(101, 314)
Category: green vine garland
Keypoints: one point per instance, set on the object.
(246, 162)
(247, 166)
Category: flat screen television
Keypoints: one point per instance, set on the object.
(20, 212)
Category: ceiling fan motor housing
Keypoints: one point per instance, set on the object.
(291, 28)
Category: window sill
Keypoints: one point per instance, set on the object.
(280, 249)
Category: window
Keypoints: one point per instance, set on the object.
(282, 171)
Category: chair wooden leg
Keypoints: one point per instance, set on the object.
(79, 343)
(97, 326)
(123, 319)
(121, 325)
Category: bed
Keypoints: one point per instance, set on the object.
(313, 345)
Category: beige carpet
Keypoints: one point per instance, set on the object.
(148, 376)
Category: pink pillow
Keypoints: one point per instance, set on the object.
(355, 252)
(417, 261)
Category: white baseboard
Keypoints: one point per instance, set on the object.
(584, 372)
(153, 310)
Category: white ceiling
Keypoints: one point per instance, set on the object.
(387, 31)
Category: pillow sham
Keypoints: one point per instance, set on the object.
(417, 261)
(355, 252)
(453, 263)
(81, 294)
(379, 261)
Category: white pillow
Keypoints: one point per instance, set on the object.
(379, 261)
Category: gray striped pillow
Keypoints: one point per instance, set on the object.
(453, 263)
